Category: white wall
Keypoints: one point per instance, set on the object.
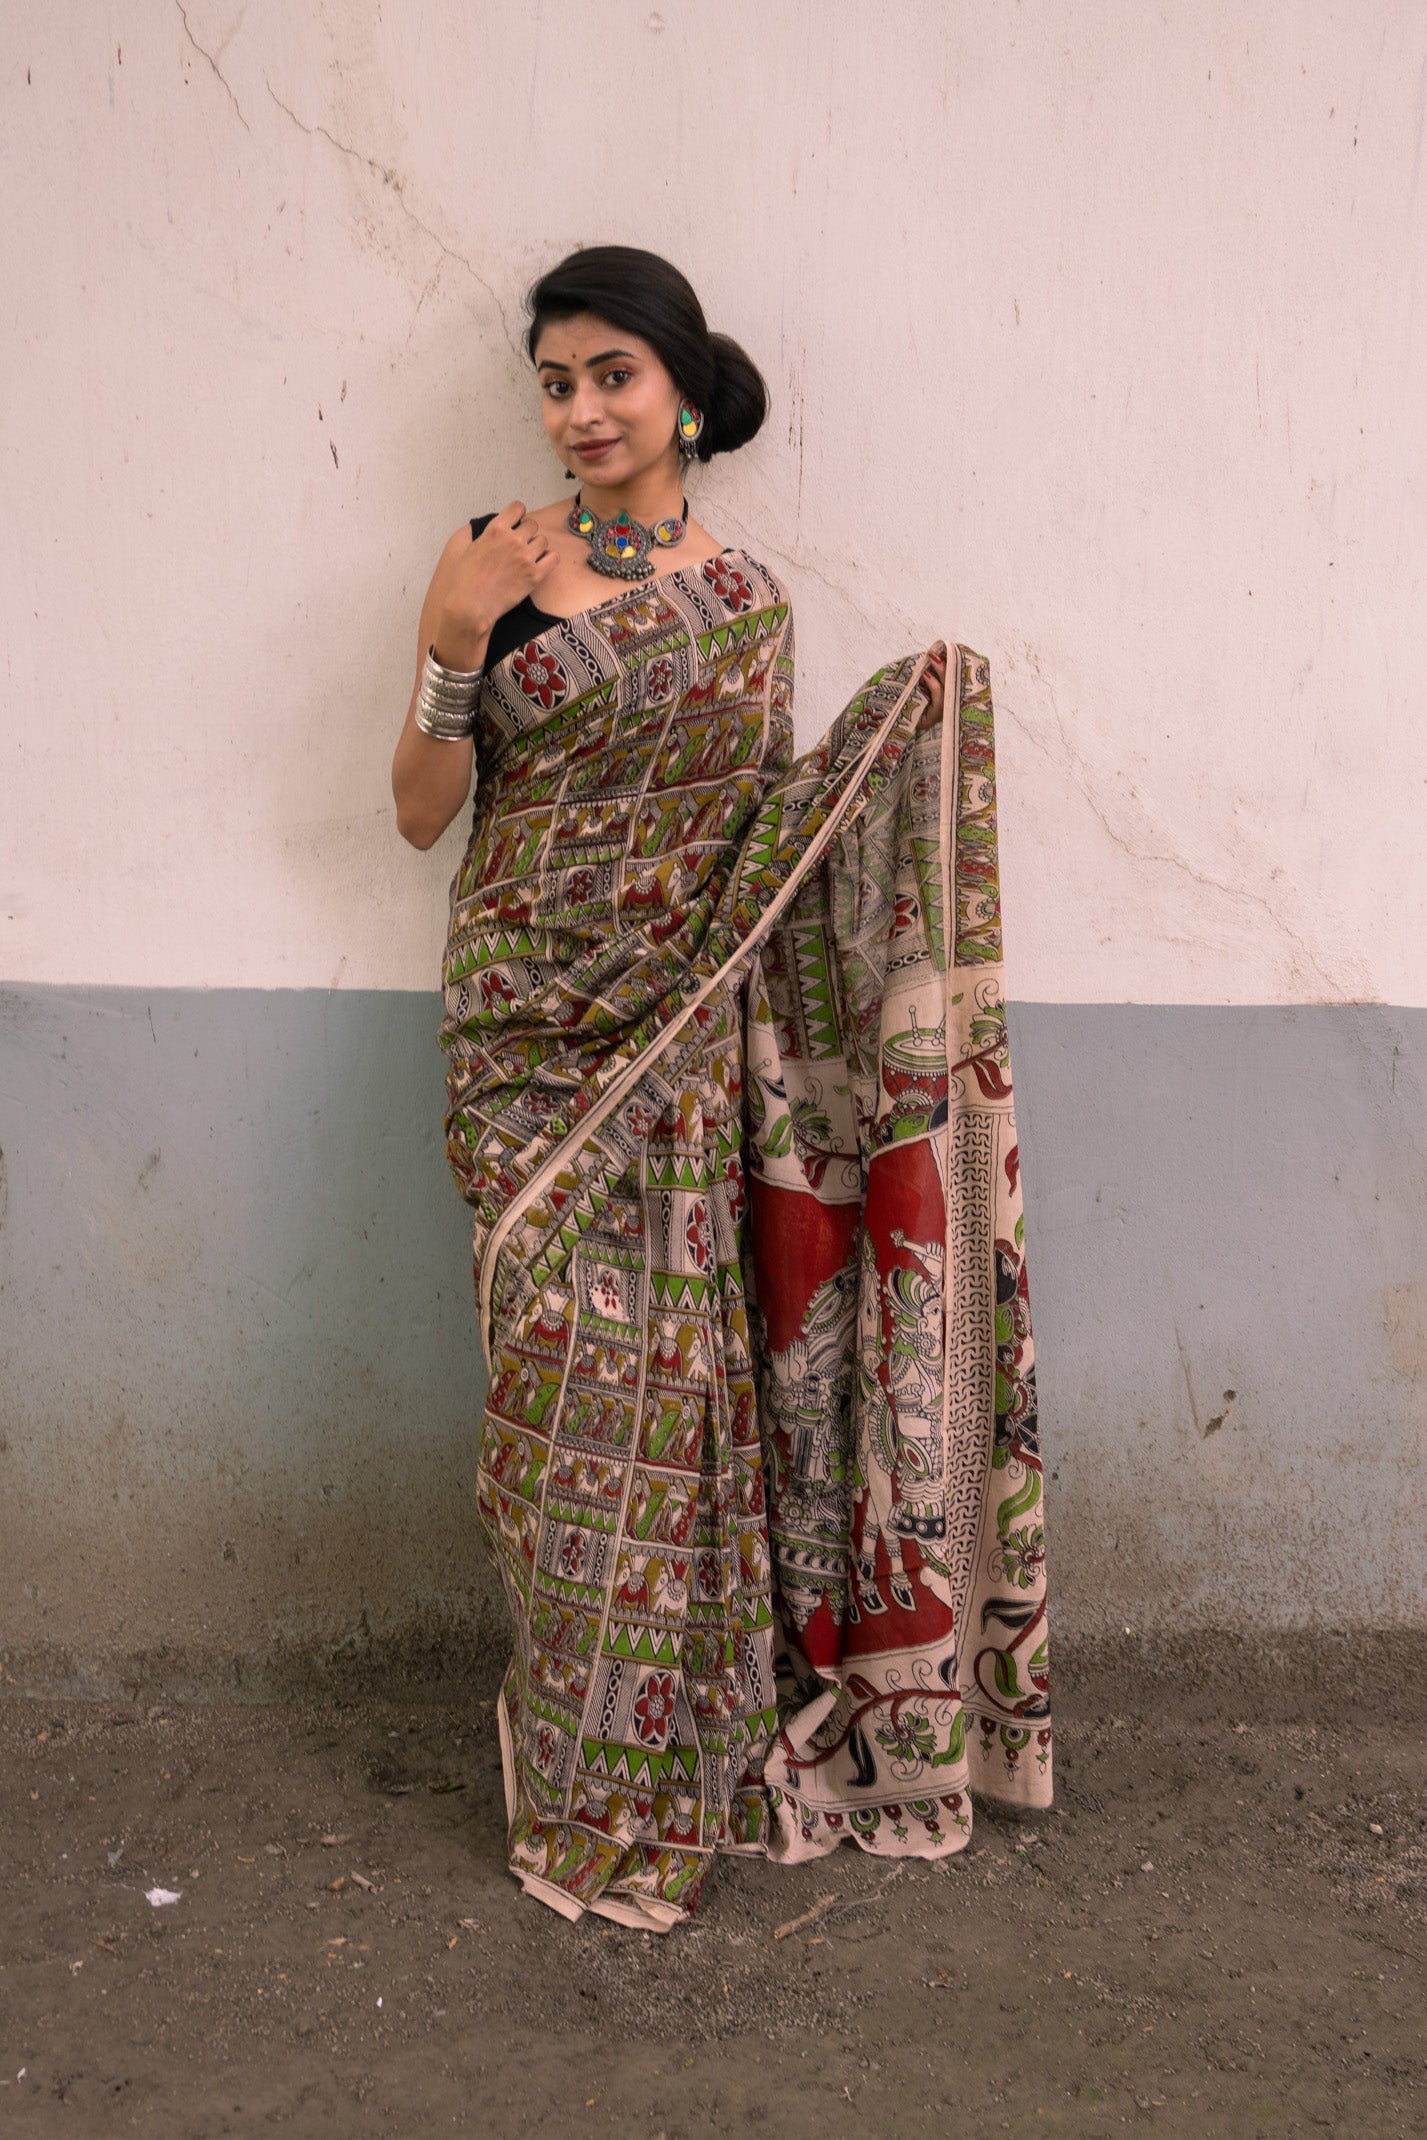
(1094, 340)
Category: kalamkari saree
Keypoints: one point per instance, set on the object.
(729, 1095)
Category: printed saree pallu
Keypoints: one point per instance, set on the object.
(729, 1095)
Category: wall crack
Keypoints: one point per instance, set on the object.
(1074, 765)
(798, 563)
(213, 64)
(395, 184)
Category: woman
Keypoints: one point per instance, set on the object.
(758, 1464)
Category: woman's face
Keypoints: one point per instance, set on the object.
(609, 406)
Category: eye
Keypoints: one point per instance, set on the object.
(557, 388)
(618, 375)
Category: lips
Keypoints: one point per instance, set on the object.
(595, 449)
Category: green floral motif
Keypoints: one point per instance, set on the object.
(1020, 1503)
(1008, 1686)
(988, 1034)
(778, 1141)
(1022, 1555)
(955, 1746)
(909, 1736)
(810, 1122)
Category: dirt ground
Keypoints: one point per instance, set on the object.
(1219, 1930)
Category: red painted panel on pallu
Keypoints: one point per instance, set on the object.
(900, 1397)
(814, 1241)
(799, 1245)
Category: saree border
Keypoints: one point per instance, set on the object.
(950, 808)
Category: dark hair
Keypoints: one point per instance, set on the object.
(647, 296)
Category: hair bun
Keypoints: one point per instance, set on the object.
(738, 404)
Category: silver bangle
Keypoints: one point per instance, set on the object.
(446, 700)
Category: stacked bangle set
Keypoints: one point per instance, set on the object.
(446, 700)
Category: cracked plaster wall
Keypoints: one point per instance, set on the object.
(1094, 340)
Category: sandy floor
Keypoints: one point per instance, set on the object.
(1220, 1930)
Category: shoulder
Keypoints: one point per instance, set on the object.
(458, 542)
(552, 516)
(454, 549)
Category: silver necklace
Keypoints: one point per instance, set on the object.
(620, 547)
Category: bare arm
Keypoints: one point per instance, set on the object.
(474, 583)
(431, 779)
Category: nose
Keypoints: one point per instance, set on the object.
(584, 405)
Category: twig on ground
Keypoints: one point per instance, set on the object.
(809, 1917)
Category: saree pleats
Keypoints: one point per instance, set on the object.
(728, 1094)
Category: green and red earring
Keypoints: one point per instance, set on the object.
(691, 429)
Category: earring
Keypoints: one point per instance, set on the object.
(570, 476)
(691, 429)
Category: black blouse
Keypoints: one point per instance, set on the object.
(523, 622)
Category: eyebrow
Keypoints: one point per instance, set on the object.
(549, 363)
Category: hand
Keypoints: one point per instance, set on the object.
(508, 559)
(934, 684)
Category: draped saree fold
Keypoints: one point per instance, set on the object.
(729, 1096)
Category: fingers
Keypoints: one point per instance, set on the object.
(527, 528)
(934, 685)
(514, 520)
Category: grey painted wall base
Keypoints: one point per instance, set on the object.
(241, 1373)
(240, 1379)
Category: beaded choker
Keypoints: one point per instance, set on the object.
(620, 547)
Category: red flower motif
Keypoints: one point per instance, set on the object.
(659, 677)
(544, 1746)
(694, 1235)
(654, 1708)
(541, 676)
(729, 585)
(733, 1176)
(495, 989)
(572, 1554)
